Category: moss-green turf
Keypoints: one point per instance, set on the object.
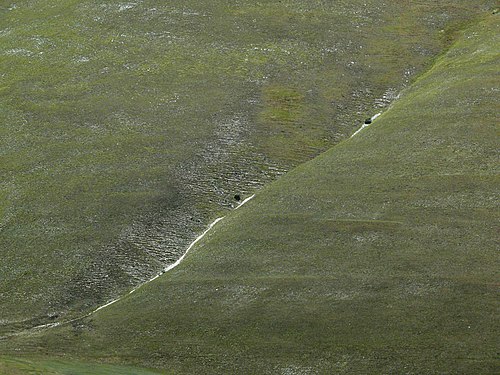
(378, 256)
(112, 116)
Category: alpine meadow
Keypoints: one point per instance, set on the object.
(249, 187)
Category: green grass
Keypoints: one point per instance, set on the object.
(378, 256)
(17, 366)
(126, 127)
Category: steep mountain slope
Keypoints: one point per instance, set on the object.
(125, 126)
(378, 256)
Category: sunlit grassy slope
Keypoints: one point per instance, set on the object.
(378, 256)
(125, 126)
(11, 366)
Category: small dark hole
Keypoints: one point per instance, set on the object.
(237, 197)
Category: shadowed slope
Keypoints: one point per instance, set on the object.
(378, 256)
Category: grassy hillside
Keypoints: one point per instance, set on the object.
(125, 126)
(11, 366)
(378, 256)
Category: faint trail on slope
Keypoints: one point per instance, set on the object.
(366, 125)
(245, 201)
(170, 267)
